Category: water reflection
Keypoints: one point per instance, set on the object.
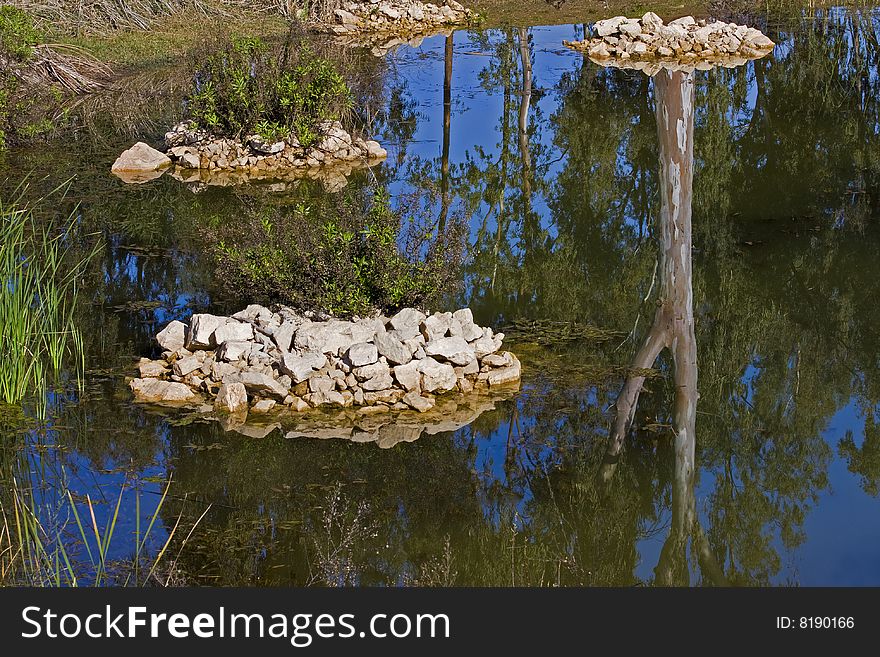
(555, 161)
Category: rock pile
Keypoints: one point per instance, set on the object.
(201, 157)
(684, 43)
(400, 17)
(259, 361)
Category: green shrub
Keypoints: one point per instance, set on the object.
(342, 258)
(18, 35)
(250, 87)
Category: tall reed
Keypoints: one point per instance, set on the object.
(39, 271)
(63, 544)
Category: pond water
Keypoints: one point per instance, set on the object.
(553, 162)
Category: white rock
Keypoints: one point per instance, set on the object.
(437, 377)
(374, 150)
(506, 375)
(152, 368)
(231, 398)
(300, 368)
(232, 350)
(415, 401)
(608, 26)
(283, 335)
(362, 353)
(201, 330)
(140, 158)
(234, 330)
(172, 337)
(184, 366)
(408, 376)
(392, 348)
(453, 349)
(263, 406)
(651, 21)
(262, 384)
(157, 390)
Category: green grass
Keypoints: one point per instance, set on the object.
(39, 268)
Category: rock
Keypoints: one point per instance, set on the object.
(390, 12)
(374, 150)
(201, 330)
(371, 371)
(436, 377)
(505, 375)
(300, 368)
(608, 26)
(598, 51)
(172, 337)
(387, 396)
(496, 360)
(263, 406)
(329, 398)
(139, 159)
(630, 28)
(762, 41)
(231, 398)
(256, 144)
(684, 21)
(362, 353)
(184, 366)
(157, 390)
(436, 326)
(283, 335)
(299, 405)
(152, 368)
(233, 350)
(239, 331)
(262, 384)
(639, 48)
(453, 349)
(651, 21)
(415, 13)
(393, 349)
(379, 382)
(321, 383)
(331, 337)
(406, 319)
(346, 17)
(484, 346)
(408, 376)
(415, 401)
(189, 160)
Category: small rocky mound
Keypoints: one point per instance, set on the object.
(261, 361)
(201, 157)
(684, 43)
(399, 17)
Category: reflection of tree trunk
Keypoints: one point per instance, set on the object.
(673, 320)
(524, 104)
(673, 328)
(502, 185)
(447, 120)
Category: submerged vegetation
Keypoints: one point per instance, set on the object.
(39, 268)
(345, 259)
(251, 87)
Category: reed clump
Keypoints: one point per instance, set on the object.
(40, 264)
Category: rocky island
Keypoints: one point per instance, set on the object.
(263, 361)
(647, 43)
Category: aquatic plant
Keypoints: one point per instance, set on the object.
(250, 87)
(39, 268)
(54, 545)
(341, 257)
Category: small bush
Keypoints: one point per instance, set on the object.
(18, 35)
(250, 87)
(360, 260)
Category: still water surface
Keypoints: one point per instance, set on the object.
(553, 162)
